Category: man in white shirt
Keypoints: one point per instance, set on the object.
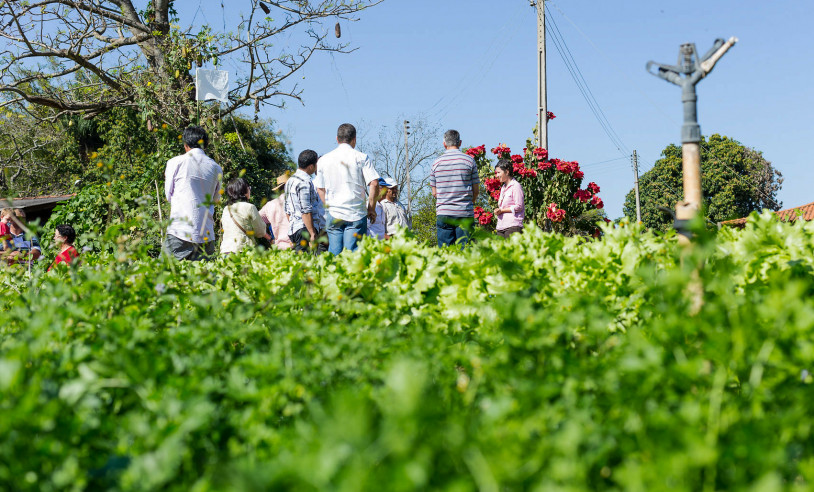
(342, 178)
(192, 184)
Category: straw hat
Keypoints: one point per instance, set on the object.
(281, 181)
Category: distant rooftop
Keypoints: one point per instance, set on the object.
(787, 215)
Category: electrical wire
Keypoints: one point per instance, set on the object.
(553, 22)
(582, 86)
(477, 73)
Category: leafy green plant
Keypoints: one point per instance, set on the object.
(537, 362)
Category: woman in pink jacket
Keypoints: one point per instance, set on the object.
(510, 209)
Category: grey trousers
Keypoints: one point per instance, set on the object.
(185, 250)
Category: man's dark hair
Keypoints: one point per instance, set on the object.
(306, 158)
(452, 138)
(506, 165)
(195, 137)
(67, 232)
(236, 190)
(346, 133)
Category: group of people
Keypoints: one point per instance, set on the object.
(328, 204)
(17, 246)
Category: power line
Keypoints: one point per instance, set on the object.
(603, 162)
(612, 63)
(573, 69)
(584, 82)
(477, 73)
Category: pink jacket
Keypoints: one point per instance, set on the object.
(273, 213)
(511, 197)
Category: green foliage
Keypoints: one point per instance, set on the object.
(735, 181)
(424, 217)
(539, 362)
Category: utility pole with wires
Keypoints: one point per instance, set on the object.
(690, 70)
(407, 165)
(636, 186)
(542, 98)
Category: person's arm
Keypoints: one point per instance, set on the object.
(518, 200)
(373, 188)
(475, 183)
(308, 222)
(321, 192)
(303, 195)
(259, 225)
(169, 179)
(432, 182)
(36, 250)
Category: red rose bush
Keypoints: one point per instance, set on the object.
(553, 193)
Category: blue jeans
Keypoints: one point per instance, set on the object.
(343, 234)
(452, 230)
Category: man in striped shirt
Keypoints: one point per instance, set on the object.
(454, 182)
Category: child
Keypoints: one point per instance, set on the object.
(5, 232)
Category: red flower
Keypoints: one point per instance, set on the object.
(543, 165)
(495, 194)
(476, 151)
(517, 158)
(593, 187)
(597, 202)
(491, 184)
(478, 212)
(502, 150)
(550, 115)
(555, 214)
(540, 154)
(485, 218)
(583, 195)
(578, 175)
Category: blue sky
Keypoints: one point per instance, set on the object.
(471, 65)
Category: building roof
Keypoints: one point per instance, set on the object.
(787, 215)
(34, 202)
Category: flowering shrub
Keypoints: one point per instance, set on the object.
(483, 217)
(552, 189)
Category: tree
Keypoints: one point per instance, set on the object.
(387, 153)
(735, 181)
(86, 57)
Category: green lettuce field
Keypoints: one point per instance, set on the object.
(535, 363)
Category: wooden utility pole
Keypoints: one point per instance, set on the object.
(407, 165)
(542, 98)
(636, 186)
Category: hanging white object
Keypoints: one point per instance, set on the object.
(211, 84)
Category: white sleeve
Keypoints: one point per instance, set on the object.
(368, 171)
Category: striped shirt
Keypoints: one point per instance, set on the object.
(301, 198)
(453, 175)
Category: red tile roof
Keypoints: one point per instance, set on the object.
(787, 215)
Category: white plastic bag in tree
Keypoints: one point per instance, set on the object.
(212, 84)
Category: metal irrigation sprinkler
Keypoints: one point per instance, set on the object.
(686, 74)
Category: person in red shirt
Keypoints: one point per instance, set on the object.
(64, 237)
(5, 230)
